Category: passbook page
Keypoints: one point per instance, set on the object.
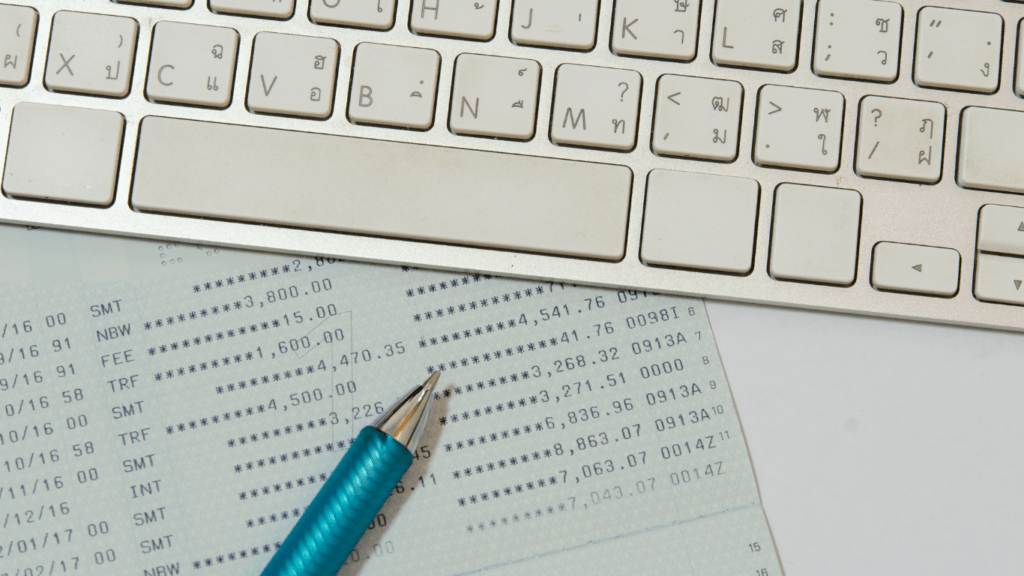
(172, 409)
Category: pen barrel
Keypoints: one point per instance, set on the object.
(344, 508)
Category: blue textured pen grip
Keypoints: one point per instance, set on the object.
(344, 508)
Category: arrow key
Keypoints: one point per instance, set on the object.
(1000, 279)
(1001, 230)
(915, 269)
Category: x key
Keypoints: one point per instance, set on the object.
(102, 48)
(66, 64)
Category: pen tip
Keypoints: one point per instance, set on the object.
(407, 418)
(429, 384)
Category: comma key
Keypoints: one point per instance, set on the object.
(697, 118)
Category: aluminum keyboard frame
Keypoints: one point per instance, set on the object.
(937, 215)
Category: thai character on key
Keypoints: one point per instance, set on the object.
(922, 159)
(779, 13)
(928, 124)
(314, 94)
(717, 103)
(319, 64)
(883, 25)
(777, 47)
(12, 62)
(218, 51)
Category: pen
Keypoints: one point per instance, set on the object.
(350, 498)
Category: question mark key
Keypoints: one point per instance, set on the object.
(900, 139)
(596, 107)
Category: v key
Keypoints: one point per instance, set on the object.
(267, 89)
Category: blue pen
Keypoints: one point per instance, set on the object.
(348, 501)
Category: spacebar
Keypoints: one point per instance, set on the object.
(380, 188)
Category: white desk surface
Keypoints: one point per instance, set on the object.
(880, 447)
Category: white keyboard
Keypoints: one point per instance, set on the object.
(848, 155)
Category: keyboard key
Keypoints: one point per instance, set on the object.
(666, 30)
(91, 54)
(280, 9)
(470, 19)
(373, 14)
(991, 149)
(700, 221)
(697, 118)
(381, 188)
(915, 269)
(192, 64)
(1001, 229)
(900, 139)
(1019, 88)
(815, 232)
(958, 50)
(757, 34)
(394, 86)
(292, 75)
(858, 39)
(999, 279)
(569, 24)
(600, 107)
(63, 154)
(159, 3)
(17, 40)
(799, 128)
(494, 96)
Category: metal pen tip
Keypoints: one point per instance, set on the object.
(407, 418)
